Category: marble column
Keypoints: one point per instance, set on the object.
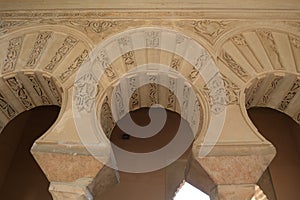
(235, 163)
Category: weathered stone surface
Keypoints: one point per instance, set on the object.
(71, 190)
(233, 192)
(62, 167)
(248, 51)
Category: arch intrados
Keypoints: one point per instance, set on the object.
(253, 81)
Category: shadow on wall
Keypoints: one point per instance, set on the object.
(20, 176)
(281, 180)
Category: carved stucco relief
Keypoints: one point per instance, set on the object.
(6, 107)
(13, 53)
(215, 94)
(38, 49)
(85, 90)
(20, 92)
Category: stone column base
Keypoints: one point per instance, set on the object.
(233, 192)
(71, 190)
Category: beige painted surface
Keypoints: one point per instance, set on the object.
(153, 4)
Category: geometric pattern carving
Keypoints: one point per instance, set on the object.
(195, 114)
(153, 89)
(185, 100)
(232, 91)
(13, 53)
(104, 62)
(216, 94)
(239, 40)
(6, 108)
(271, 88)
(5, 25)
(94, 26)
(125, 44)
(134, 101)
(252, 92)
(260, 50)
(67, 45)
(153, 39)
(290, 95)
(210, 29)
(20, 92)
(268, 42)
(53, 89)
(38, 89)
(171, 96)
(295, 41)
(241, 44)
(129, 59)
(39, 46)
(119, 101)
(234, 66)
(107, 121)
(85, 91)
(176, 62)
(74, 66)
(193, 74)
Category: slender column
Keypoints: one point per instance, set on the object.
(233, 192)
(71, 190)
(235, 163)
(74, 173)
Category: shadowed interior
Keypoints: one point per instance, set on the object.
(21, 178)
(160, 184)
(280, 181)
(20, 175)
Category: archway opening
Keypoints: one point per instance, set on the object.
(280, 180)
(20, 175)
(187, 191)
(160, 184)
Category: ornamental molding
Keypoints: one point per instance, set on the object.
(152, 14)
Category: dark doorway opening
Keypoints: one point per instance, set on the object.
(160, 184)
(281, 180)
(20, 176)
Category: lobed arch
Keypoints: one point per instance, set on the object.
(261, 63)
(141, 98)
(42, 75)
(256, 60)
(64, 139)
(149, 47)
(37, 61)
(260, 59)
(277, 90)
